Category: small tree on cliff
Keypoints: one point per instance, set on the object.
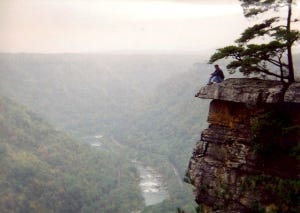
(250, 55)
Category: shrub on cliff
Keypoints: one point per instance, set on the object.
(274, 134)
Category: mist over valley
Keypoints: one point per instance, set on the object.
(134, 108)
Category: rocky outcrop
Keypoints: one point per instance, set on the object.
(251, 91)
(225, 167)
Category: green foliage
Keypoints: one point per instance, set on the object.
(44, 170)
(274, 134)
(284, 194)
(198, 209)
(255, 7)
(187, 178)
(251, 56)
(276, 141)
(256, 207)
(257, 30)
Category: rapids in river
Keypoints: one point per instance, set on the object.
(151, 184)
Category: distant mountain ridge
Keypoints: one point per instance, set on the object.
(61, 87)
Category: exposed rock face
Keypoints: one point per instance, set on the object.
(224, 158)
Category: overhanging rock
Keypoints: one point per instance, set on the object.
(251, 91)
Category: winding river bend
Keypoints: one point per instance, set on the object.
(151, 182)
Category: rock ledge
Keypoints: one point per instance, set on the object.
(251, 91)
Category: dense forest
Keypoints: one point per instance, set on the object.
(44, 170)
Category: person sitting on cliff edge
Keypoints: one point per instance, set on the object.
(217, 76)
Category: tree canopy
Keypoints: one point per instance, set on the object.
(251, 55)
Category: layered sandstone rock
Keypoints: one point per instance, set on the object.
(223, 159)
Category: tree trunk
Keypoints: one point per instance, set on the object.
(289, 43)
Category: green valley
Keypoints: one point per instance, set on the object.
(143, 106)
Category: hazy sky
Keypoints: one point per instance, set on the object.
(114, 25)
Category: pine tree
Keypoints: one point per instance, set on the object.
(250, 55)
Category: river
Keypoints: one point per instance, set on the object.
(94, 141)
(151, 184)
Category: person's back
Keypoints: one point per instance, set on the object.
(220, 73)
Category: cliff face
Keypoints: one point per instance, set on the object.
(235, 167)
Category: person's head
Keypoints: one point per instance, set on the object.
(216, 66)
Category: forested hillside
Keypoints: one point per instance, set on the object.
(43, 170)
(144, 102)
(172, 119)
